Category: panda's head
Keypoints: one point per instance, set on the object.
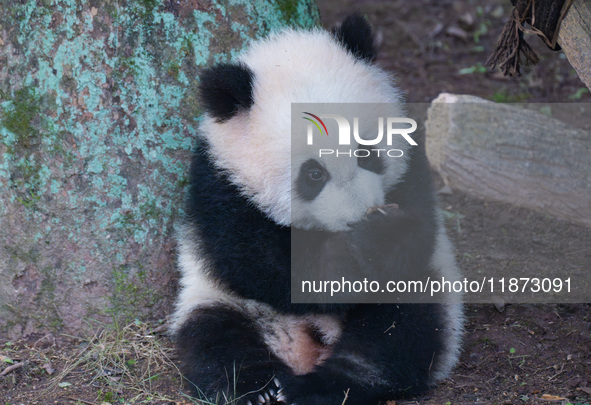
(247, 125)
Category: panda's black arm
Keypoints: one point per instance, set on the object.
(246, 250)
(401, 240)
(390, 244)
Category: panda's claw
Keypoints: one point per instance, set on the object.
(261, 399)
(277, 383)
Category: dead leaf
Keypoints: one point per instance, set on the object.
(553, 398)
(47, 367)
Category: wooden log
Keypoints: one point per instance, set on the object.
(575, 38)
(511, 154)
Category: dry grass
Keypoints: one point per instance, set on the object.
(126, 359)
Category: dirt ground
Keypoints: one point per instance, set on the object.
(518, 354)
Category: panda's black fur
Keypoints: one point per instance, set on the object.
(380, 352)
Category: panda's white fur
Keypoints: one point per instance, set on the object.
(444, 261)
(252, 148)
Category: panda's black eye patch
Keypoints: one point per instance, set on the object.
(371, 161)
(311, 180)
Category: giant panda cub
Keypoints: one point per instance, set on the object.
(240, 338)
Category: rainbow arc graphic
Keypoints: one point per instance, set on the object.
(316, 123)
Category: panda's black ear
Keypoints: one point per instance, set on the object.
(226, 89)
(355, 34)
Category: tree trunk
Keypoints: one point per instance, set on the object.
(98, 113)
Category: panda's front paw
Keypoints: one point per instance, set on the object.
(310, 389)
(271, 395)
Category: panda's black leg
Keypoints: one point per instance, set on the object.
(225, 360)
(385, 352)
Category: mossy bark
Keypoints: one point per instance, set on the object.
(97, 119)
